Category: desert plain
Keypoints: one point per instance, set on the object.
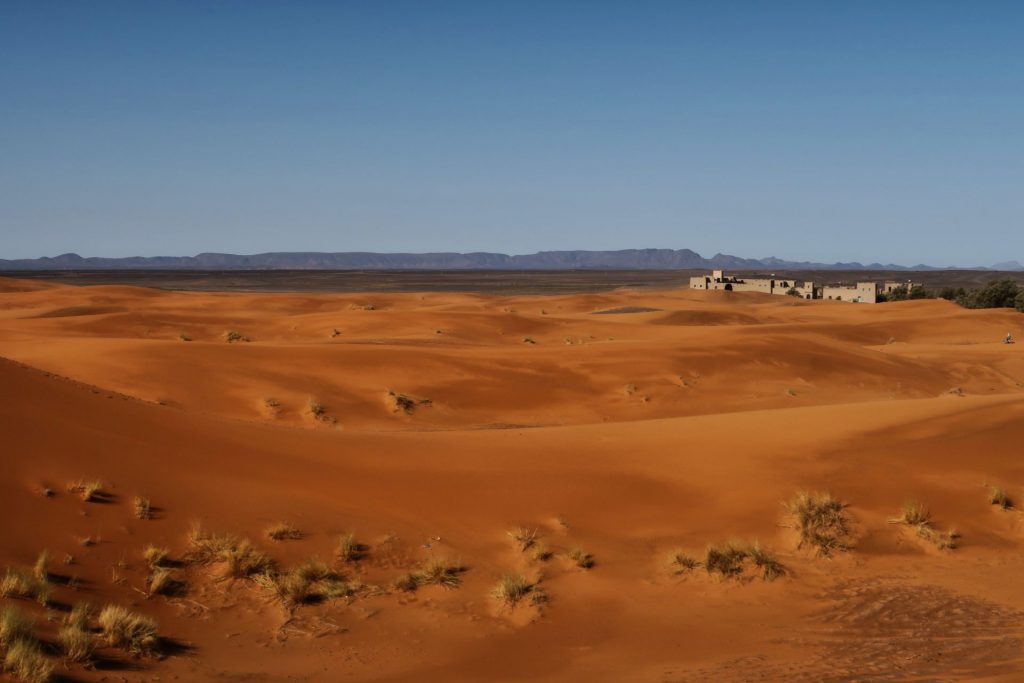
(413, 451)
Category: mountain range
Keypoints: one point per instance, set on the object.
(625, 259)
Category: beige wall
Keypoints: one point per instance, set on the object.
(862, 292)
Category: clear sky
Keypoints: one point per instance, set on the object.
(861, 130)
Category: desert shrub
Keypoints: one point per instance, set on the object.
(232, 336)
(1018, 303)
(154, 556)
(26, 661)
(998, 496)
(89, 491)
(14, 626)
(403, 402)
(905, 292)
(317, 409)
(681, 563)
(349, 549)
(128, 631)
(282, 531)
(951, 293)
(184, 337)
(143, 510)
(523, 537)
(512, 588)
(821, 521)
(581, 558)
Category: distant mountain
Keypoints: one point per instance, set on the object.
(626, 259)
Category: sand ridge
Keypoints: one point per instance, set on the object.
(677, 420)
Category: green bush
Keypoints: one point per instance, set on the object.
(995, 294)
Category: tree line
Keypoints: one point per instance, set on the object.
(995, 294)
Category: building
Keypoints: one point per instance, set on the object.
(717, 280)
(862, 292)
(894, 284)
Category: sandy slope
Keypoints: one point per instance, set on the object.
(671, 421)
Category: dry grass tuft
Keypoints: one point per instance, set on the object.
(512, 588)
(732, 558)
(16, 584)
(240, 558)
(156, 557)
(312, 581)
(914, 513)
(74, 638)
(946, 540)
(41, 569)
(766, 561)
(917, 516)
(14, 626)
(681, 563)
(349, 549)
(162, 582)
(524, 537)
(143, 510)
(128, 631)
(998, 496)
(407, 582)
(244, 560)
(26, 661)
(436, 572)
(89, 491)
(232, 336)
(821, 521)
(283, 531)
(726, 559)
(581, 558)
(439, 572)
(541, 552)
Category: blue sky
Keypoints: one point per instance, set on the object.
(871, 131)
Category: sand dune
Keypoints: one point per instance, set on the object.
(672, 420)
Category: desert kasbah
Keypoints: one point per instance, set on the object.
(862, 292)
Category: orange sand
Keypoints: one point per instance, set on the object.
(631, 433)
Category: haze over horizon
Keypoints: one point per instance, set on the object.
(871, 133)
